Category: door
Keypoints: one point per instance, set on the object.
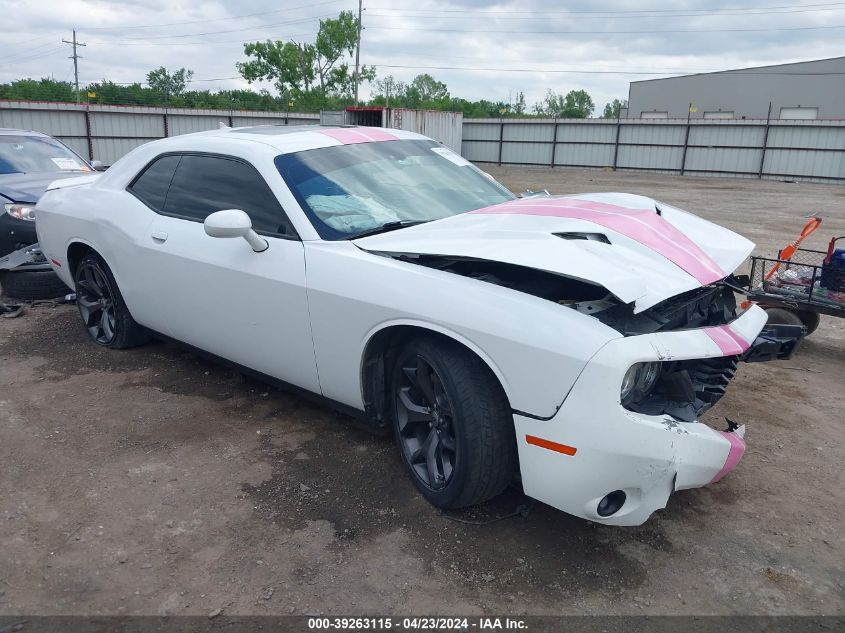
(218, 294)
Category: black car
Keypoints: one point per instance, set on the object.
(29, 162)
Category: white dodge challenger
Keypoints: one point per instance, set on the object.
(570, 341)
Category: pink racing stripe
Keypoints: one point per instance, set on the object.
(735, 453)
(728, 341)
(351, 136)
(641, 225)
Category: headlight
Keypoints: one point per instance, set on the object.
(21, 211)
(629, 382)
(638, 381)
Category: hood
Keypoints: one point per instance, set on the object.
(30, 187)
(640, 250)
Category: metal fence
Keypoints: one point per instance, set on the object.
(750, 148)
(107, 132)
(779, 149)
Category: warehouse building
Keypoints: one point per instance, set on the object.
(802, 90)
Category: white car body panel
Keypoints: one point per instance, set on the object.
(305, 310)
(534, 363)
(657, 454)
(631, 271)
(223, 299)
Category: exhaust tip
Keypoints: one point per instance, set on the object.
(611, 503)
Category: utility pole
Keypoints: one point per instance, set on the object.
(76, 58)
(358, 50)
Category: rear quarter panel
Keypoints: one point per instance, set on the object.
(110, 221)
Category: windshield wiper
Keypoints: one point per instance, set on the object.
(385, 228)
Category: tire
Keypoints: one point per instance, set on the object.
(33, 285)
(810, 320)
(101, 306)
(782, 316)
(468, 432)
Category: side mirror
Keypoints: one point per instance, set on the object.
(98, 165)
(234, 223)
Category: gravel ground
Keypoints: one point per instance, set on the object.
(151, 481)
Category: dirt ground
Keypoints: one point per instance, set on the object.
(151, 481)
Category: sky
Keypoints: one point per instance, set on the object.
(479, 49)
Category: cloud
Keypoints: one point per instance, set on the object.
(451, 40)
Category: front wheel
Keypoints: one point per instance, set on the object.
(102, 308)
(453, 424)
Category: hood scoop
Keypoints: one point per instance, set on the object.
(595, 237)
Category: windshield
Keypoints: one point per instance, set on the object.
(352, 189)
(34, 154)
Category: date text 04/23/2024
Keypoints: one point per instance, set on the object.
(416, 624)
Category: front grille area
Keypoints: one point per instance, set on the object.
(702, 307)
(710, 377)
(688, 388)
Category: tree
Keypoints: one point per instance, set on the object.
(167, 83)
(519, 104)
(612, 109)
(551, 105)
(425, 91)
(578, 105)
(42, 90)
(388, 91)
(299, 69)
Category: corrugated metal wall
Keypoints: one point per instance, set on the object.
(443, 127)
(106, 133)
(801, 150)
(753, 148)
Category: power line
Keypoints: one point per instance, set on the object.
(249, 28)
(191, 81)
(606, 72)
(227, 18)
(476, 12)
(648, 32)
(488, 15)
(34, 53)
(143, 42)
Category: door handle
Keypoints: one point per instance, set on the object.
(159, 236)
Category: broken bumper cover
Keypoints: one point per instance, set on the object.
(608, 448)
(775, 342)
(25, 259)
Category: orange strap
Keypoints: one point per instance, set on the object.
(787, 253)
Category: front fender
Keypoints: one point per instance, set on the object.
(535, 347)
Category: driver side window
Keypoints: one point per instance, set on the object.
(203, 184)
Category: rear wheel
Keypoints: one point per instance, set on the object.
(102, 308)
(452, 423)
(782, 316)
(810, 320)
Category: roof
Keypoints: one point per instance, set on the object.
(293, 138)
(759, 69)
(272, 130)
(279, 139)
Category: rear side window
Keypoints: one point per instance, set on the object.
(205, 184)
(151, 186)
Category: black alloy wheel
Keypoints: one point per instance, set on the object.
(102, 308)
(425, 423)
(452, 422)
(96, 303)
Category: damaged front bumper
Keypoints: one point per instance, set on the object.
(594, 447)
